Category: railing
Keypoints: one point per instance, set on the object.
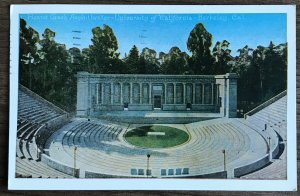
(265, 104)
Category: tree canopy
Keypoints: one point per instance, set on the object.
(28, 54)
(199, 43)
(103, 50)
(222, 57)
(133, 60)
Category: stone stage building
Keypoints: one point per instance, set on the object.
(118, 92)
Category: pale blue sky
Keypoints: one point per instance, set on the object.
(163, 31)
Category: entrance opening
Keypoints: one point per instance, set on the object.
(125, 106)
(188, 106)
(157, 101)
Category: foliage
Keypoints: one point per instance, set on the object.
(199, 43)
(175, 62)
(56, 83)
(53, 78)
(28, 54)
(262, 74)
(132, 60)
(76, 58)
(103, 50)
(148, 62)
(222, 57)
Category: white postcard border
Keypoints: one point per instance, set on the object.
(154, 184)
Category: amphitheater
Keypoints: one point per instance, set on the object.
(53, 144)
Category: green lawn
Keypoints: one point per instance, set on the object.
(172, 137)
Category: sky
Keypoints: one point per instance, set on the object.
(163, 31)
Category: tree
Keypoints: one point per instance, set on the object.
(258, 58)
(28, 54)
(262, 74)
(57, 83)
(148, 62)
(175, 62)
(222, 57)
(48, 51)
(76, 57)
(243, 61)
(132, 60)
(199, 43)
(103, 51)
(241, 67)
(274, 68)
(46, 64)
(87, 61)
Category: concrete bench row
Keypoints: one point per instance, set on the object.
(37, 169)
(33, 115)
(272, 119)
(99, 148)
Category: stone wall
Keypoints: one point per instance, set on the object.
(256, 165)
(203, 93)
(89, 174)
(260, 163)
(217, 175)
(59, 166)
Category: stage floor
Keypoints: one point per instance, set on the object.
(158, 116)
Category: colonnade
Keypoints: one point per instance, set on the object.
(142, 93)
(117, 92)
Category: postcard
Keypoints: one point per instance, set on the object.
(152, 97)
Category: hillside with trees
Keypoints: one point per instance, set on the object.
(49, 68)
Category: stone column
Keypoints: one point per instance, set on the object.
(97, 93)
(203, 84)
(140, 95)
(231, 94)
(184, 92)
(131, 92)
(102, 93)
(217, 96)
(165, 92)
(174, 84)
(82, 94)
(212, 93)
(150, 93)
(111, 93)
(89, 97)
(121, 92)
(227, 87)
(194, 93)
(221, 81)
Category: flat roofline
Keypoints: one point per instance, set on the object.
(227, 75)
